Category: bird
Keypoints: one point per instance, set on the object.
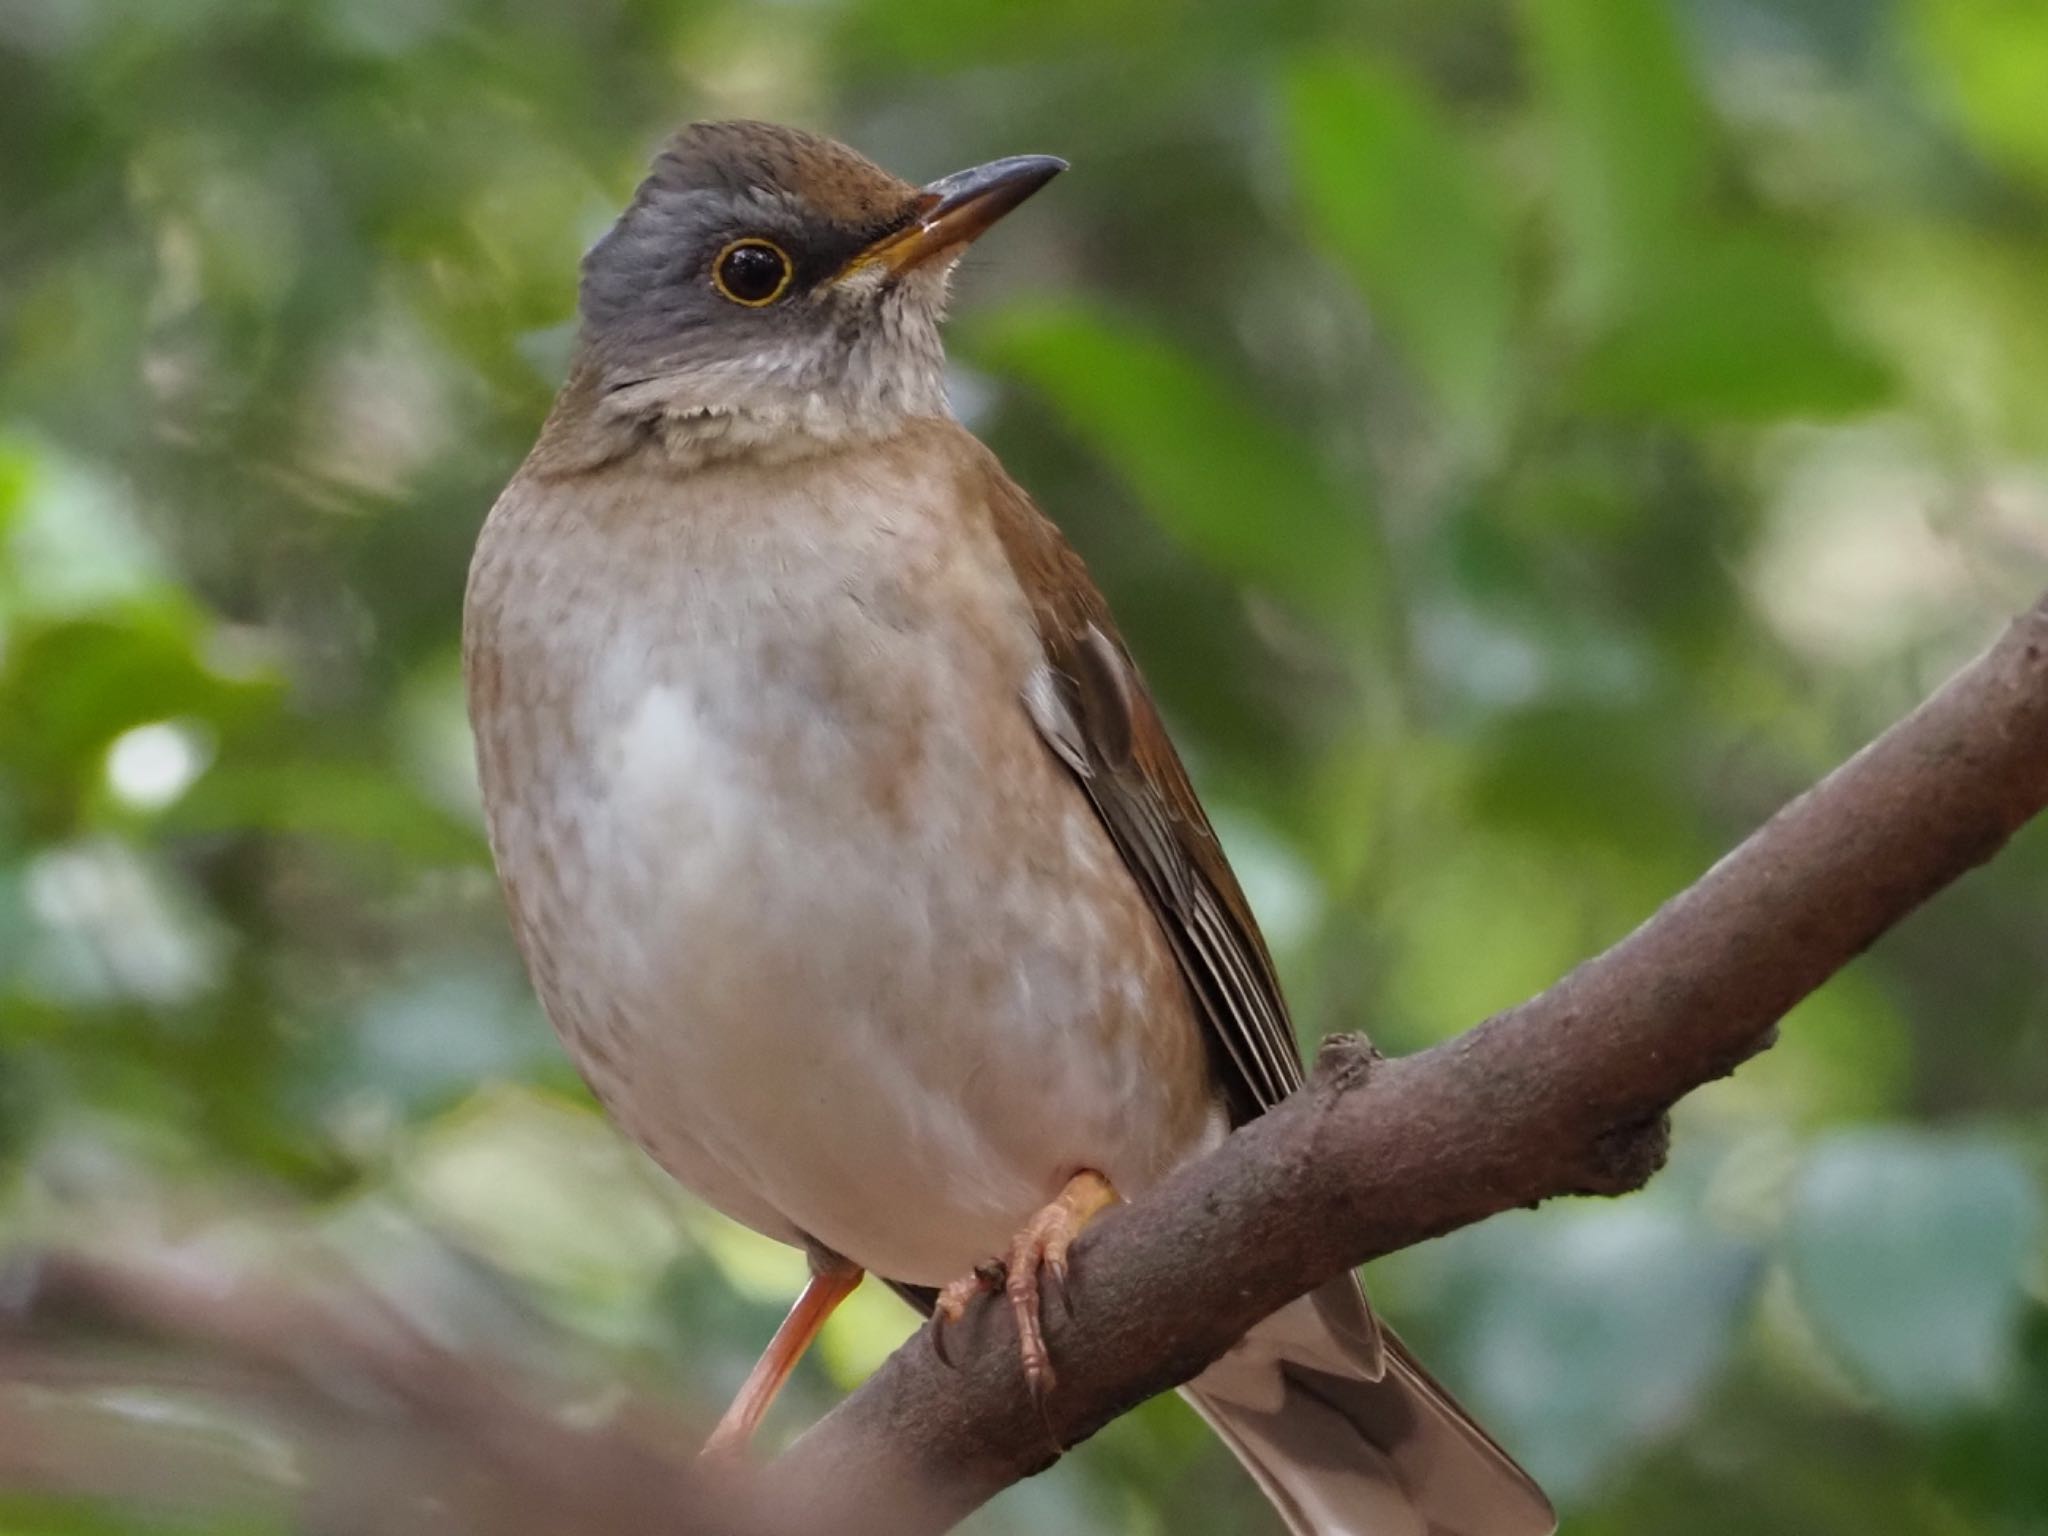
(842, 838)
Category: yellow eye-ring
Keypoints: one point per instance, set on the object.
(753, 272)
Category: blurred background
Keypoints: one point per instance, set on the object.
(1524, 444)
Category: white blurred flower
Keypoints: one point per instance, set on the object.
(151, 766)
(1874, 547)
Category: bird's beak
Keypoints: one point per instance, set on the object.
(955, 210)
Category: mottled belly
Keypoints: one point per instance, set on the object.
(887, 995)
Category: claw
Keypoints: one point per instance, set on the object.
(1039, 1377)
(1037, 1262)
(952, 1301)
(1056, 1282)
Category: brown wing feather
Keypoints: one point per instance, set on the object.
(1116, 745)
(1096, 715)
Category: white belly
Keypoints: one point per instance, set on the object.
(825, 926)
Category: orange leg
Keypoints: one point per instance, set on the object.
(1038, 1252)
(832, 1281)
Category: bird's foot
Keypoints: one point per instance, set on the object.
(1037, 1261)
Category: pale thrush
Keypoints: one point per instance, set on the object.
(840, 833)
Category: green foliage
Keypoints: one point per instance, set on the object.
(1633, 147)
(1523, 442)
(1417, 223)
(1991, 56)
(1571, 1310)
(1240, 489)
(1734, 331)
(1911, 1253)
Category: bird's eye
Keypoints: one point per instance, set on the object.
(752, 272)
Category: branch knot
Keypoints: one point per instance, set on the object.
(1346, 1061)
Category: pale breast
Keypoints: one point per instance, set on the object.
(822, 920)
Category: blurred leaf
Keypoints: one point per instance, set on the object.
(1994, 54)
(952, 34)
(427, 1040)
(1731, 328)
(1630, 135)
(550, 1192)
(1531, 772)
(68, 689)
(1994, 1461)
(1479, 921)
(1966, 319)
(335, 799)
(1690, 320)
(1599, 1329)
(1417, 222)
(1843, 1054)
(863, 1333)
(17, 479)
(72, 541)
(1909, 1250)
(30, 1515)
(1239, 488)
(113, 923)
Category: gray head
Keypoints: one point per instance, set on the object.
(768, 285)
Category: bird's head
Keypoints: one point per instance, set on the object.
(767, 287)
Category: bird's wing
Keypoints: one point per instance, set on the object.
(1092, 709)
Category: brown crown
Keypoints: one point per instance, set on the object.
(844, 186)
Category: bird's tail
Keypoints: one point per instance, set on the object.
(1341, 1454)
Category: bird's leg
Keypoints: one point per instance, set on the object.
(832, 1281)
(1038, 1253)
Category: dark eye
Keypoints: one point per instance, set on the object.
(752, 272)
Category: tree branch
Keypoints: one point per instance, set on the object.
(391, 1432)
(1565, 1094)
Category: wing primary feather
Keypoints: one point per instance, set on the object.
(1105, 684)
